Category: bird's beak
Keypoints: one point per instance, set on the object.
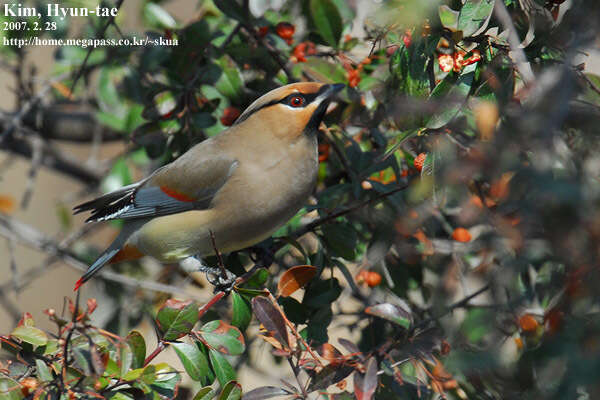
(329, 90)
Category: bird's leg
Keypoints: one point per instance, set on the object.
(219, 277)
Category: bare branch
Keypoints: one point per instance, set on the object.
(26, 234)
(519, 57)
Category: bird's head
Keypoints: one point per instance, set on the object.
(291, 110)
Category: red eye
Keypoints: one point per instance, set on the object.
(296, 101)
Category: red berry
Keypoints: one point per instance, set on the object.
(407, 39)
(285, 30)
(419, 161)
(230, 114)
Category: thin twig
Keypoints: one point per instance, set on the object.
(521, 63)
(459, 304)
(101, 33)
(31, 237)
(273, 52)
(320, 221)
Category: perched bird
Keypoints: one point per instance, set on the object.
(241, 185)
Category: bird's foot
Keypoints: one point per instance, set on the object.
(220, 278)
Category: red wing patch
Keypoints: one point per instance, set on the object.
(176, 195)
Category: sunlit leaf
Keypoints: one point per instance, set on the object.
(294, 279)
(231, 391)
(399, 315)
(224, 338)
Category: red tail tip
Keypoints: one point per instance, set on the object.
(78, 284)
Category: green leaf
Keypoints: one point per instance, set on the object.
(231, 391)
(230, 83)
(10, 389)
(454, 91)
(43, 372)
(224, 338)
(232, 9)
(474, 16)
(328, 21)
(448, 17)
(318, 324)
(206, 393)
(194, 361)
(138, 348)
(125, 358)
(341, 239)
(322, 293)
(223, 370)
(242, 312)
(31, 335)
(177, 318)
(158, 17)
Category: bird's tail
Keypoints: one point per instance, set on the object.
(117, 251)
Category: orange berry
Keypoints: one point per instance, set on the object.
(323, 149)
(528, 323)
(230, 114)
(419, 161)
(373, 279)
(461, 235)
(353, 76)
(285, 30)
(361, 277)
(366, 185)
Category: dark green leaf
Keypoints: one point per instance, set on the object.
(341, 239)
(232, 8)
(322, 293)
(242, 312)
(328, 21)
(177, 318)
(223, 370)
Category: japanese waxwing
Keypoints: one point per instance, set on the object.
(241, 185)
